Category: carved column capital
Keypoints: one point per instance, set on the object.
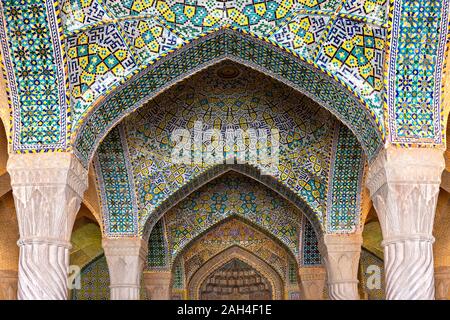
(126, 258)
(404, 186)
(47, 189)
(42, 169)
(341, 254)
(157, 284)
(8, 285)
(442, 282)
(312, 282)
(401, 179)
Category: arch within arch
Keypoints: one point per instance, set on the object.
(245, 221)
(118, 197)
(228, 255)
(219, 170)
(208, 50)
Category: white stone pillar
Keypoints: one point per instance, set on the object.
(442, 282)
(8, 285)
(404, 186)
(312, 282)
(157, 284)
(340, 253)
(48, 189)
(126, 258)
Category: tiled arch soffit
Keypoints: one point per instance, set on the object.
(234, 232)
(135, 194)
(241, 201)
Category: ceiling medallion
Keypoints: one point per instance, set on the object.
(228, 71)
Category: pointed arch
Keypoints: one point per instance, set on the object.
(245, 169)
(227, 255)
(246, 49)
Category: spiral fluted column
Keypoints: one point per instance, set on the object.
(340, 253)
(126, 259)
(404, 186)
(47, 190)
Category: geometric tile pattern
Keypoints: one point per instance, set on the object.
(372, 10)
(97, 59)
(121, 9)
(302, 34)
(345, 184)
(417, 51)
(208, 50)
(137, 152)
(34, 70)
(353, 51)
(178, 275)
(310, 255)
(94, 281)
(232, 195)
(157, 247)
(149, 38)
(77, 14)
(251, 100)
(344, 39)
(231, 233)
(293, 279)
(117, 192)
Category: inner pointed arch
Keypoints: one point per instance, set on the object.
(220, 170)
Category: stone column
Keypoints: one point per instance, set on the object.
(340, 253)
(8, 285)
(48, 189)
(312, 282)
(404, 186)
(442, 282)
(157, 284)
(126, 259)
